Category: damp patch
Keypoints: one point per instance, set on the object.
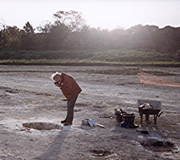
(42, 126)
(101, 153)
(159, 145)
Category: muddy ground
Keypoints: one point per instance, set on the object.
(27, 95)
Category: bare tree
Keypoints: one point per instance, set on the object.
(72, 19)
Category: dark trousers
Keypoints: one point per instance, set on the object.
(70, 109)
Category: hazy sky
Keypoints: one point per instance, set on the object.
(108, 14)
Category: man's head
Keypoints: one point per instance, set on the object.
(56, 77)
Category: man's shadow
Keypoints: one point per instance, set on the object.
(55, 148)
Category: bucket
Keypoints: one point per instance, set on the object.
(118, 116)
(128, 118)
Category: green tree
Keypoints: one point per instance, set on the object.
(14, 37)
(57, 35)
(117, 39)
(10, 38)
(64, 33)
(27, 37)
(93, 38)
(43, 38)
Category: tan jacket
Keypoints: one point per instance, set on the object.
(69, 86)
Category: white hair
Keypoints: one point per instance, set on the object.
(53, 76)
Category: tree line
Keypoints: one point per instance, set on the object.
(69, 32)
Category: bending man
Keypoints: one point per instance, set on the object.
(70, 89)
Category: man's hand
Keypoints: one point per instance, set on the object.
(57, 84)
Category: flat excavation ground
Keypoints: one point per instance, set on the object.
(28, 95)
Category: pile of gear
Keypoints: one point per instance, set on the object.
(124, 119)
(145, 106)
